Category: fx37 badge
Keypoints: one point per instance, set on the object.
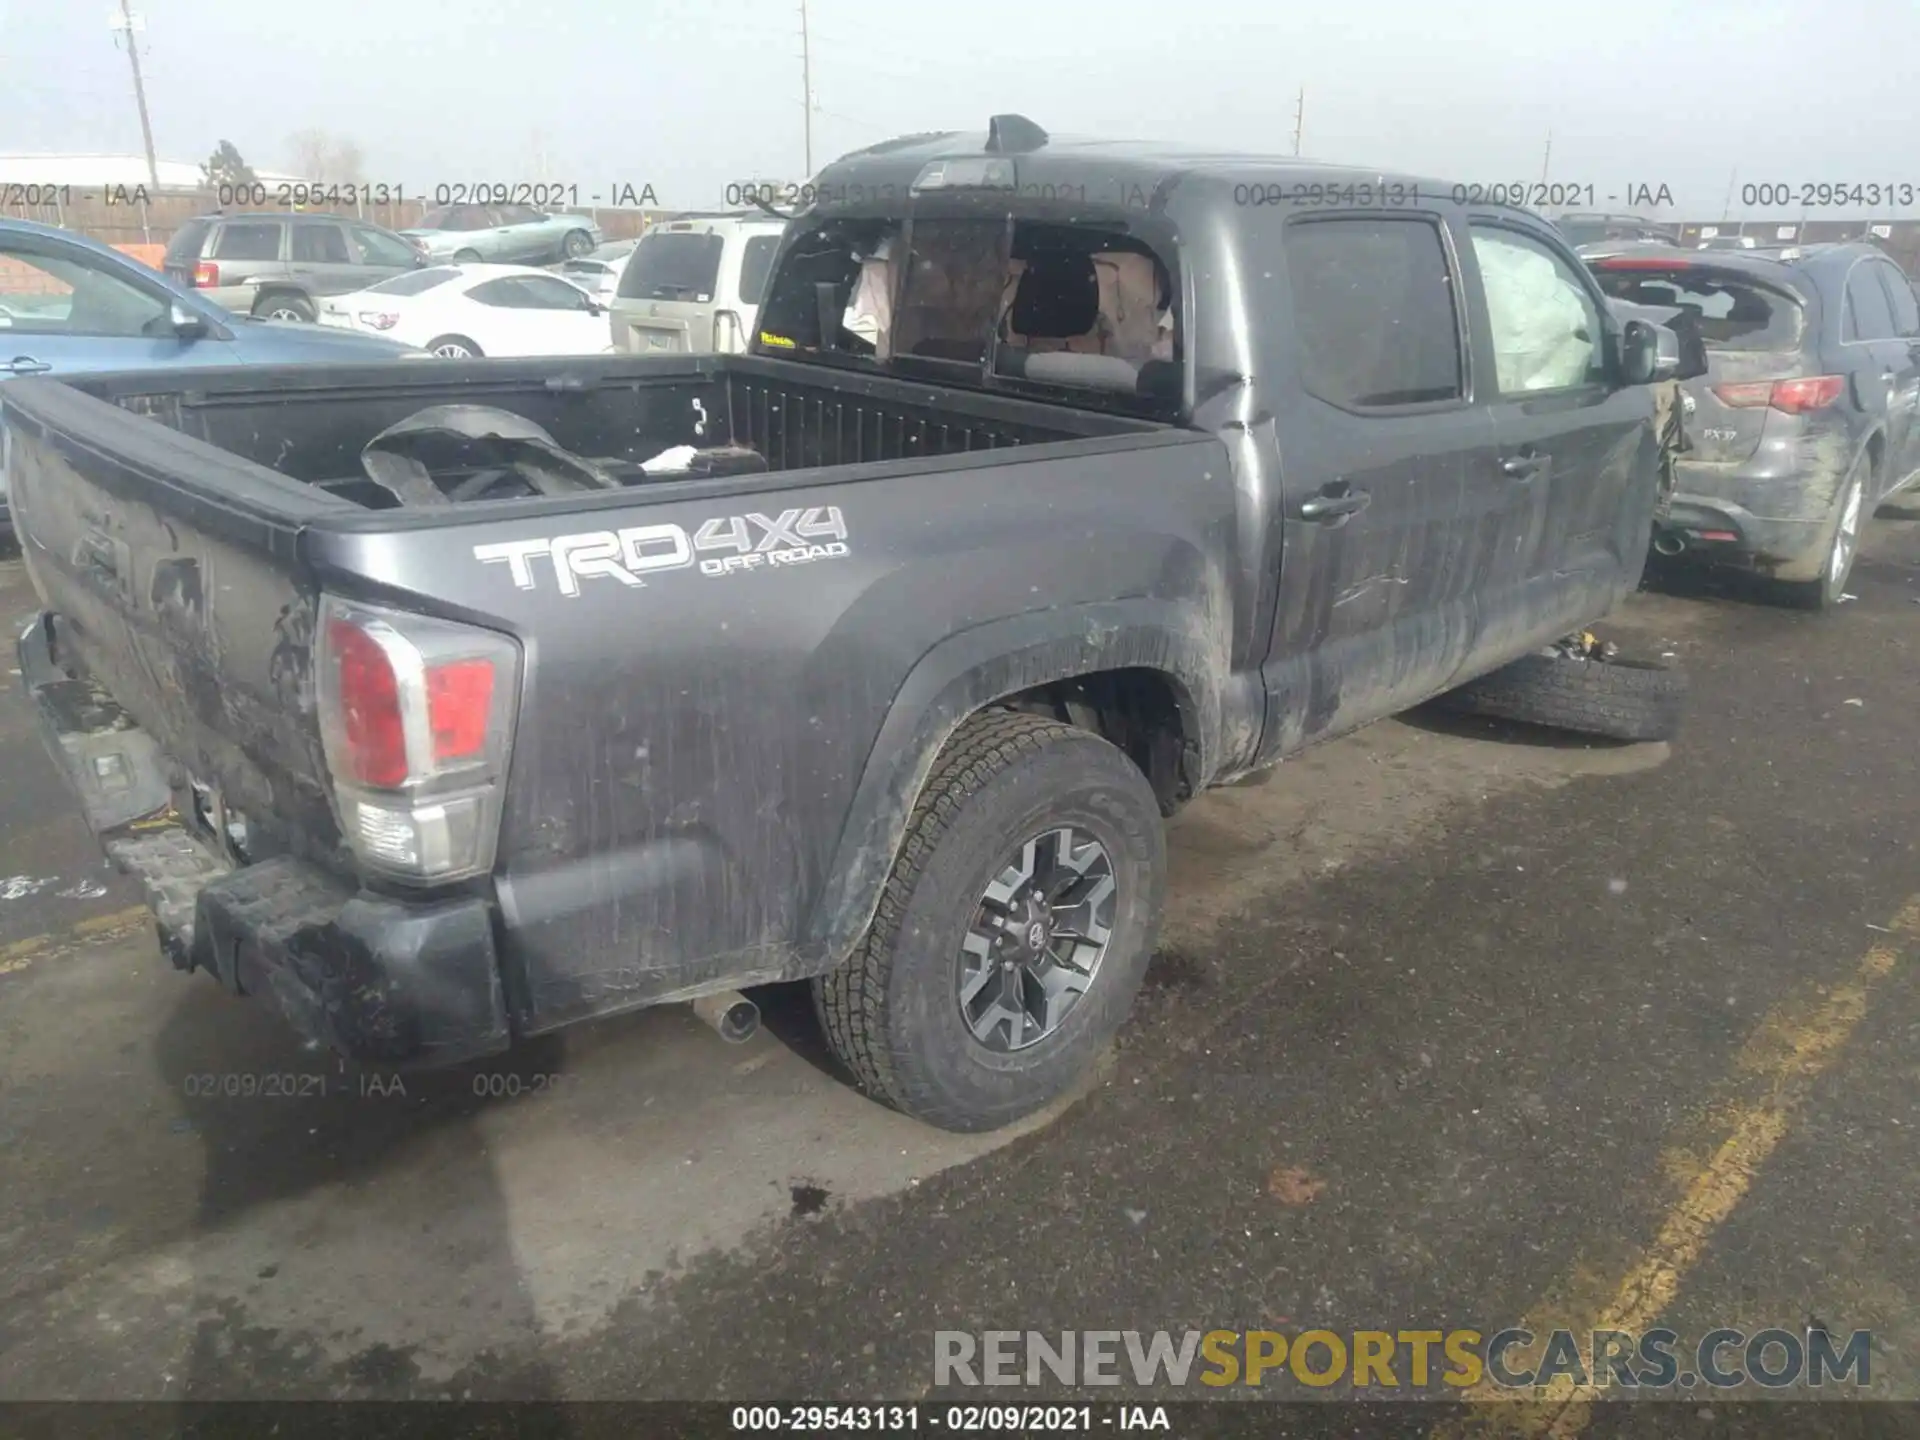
(724, 545)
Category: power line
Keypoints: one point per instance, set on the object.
(139, 90)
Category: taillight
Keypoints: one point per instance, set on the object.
(379, 319)
(416, 719)
(1791, 397)
(206, 275)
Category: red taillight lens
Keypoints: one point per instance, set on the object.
(206, 275)
(1796, 397)
(1790, 397)
(369, 700)
(1747, 395)
(459, 706)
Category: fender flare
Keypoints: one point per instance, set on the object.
(969, 671)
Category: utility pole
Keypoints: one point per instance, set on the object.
(1726, 209)
(806, 90)
(127, 23)
(1299, 118)
(1546, 160)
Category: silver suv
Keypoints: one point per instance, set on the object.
(279, 266)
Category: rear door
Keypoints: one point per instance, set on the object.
(320, 259)
(1393, 509)
(1575, 446)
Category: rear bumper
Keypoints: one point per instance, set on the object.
(1763, 543)
(379, 979)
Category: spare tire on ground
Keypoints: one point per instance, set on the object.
(1616, 699)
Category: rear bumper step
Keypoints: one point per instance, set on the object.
(380, 980)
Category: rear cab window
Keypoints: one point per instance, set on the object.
(1063, 309)
(1735, 311)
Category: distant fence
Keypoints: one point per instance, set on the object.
(153, 220)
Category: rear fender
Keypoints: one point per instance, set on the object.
(970, 671)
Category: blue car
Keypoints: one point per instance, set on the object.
(69, 304)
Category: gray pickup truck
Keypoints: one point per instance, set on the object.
(437, 704)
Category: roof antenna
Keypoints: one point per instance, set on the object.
(1013, 135)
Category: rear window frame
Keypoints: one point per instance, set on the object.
(1773, 291)
(281, 231)
(715, 244)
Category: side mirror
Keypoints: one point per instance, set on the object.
(1640, 353)
(594, 307)
(184, 323)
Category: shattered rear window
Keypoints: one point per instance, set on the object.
(1734, 313)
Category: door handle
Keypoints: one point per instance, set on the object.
(26, 365)
(1523, 467)
(1332, 505)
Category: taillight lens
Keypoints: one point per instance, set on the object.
(1792, 397)
(416, 717)
(206, 275)
(379, 319)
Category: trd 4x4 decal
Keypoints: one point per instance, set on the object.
(746, 542)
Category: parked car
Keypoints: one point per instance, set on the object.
(70, 305)
(893, 686)
(503, 234)
(1728, 242)
(1585, 227)
(1805, 420)
(279, 266)
(464, 312)
(694, 285)
(598, 273)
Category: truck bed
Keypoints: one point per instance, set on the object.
(310, 424)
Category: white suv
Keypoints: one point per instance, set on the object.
(694, 286)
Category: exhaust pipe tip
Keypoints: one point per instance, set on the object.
(731, 1016)
(1668, 543)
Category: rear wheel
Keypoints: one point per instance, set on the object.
(1843, 547)
(286, 306)
(454, 347)
(576, 244)
(1012, 935)
(466, 257)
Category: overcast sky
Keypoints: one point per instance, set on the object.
(689, 94)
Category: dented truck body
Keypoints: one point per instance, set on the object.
(673, 728)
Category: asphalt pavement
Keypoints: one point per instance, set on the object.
(1453, 1026)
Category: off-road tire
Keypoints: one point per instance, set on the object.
(892, 1011)
(1616, 699)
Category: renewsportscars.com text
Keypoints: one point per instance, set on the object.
(1456, 1359)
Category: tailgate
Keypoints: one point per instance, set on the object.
(169, 568)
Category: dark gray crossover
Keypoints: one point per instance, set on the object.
(448, 703)
(1805, 419)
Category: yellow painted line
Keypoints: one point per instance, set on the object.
(1789, 1049)
(37, 949)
